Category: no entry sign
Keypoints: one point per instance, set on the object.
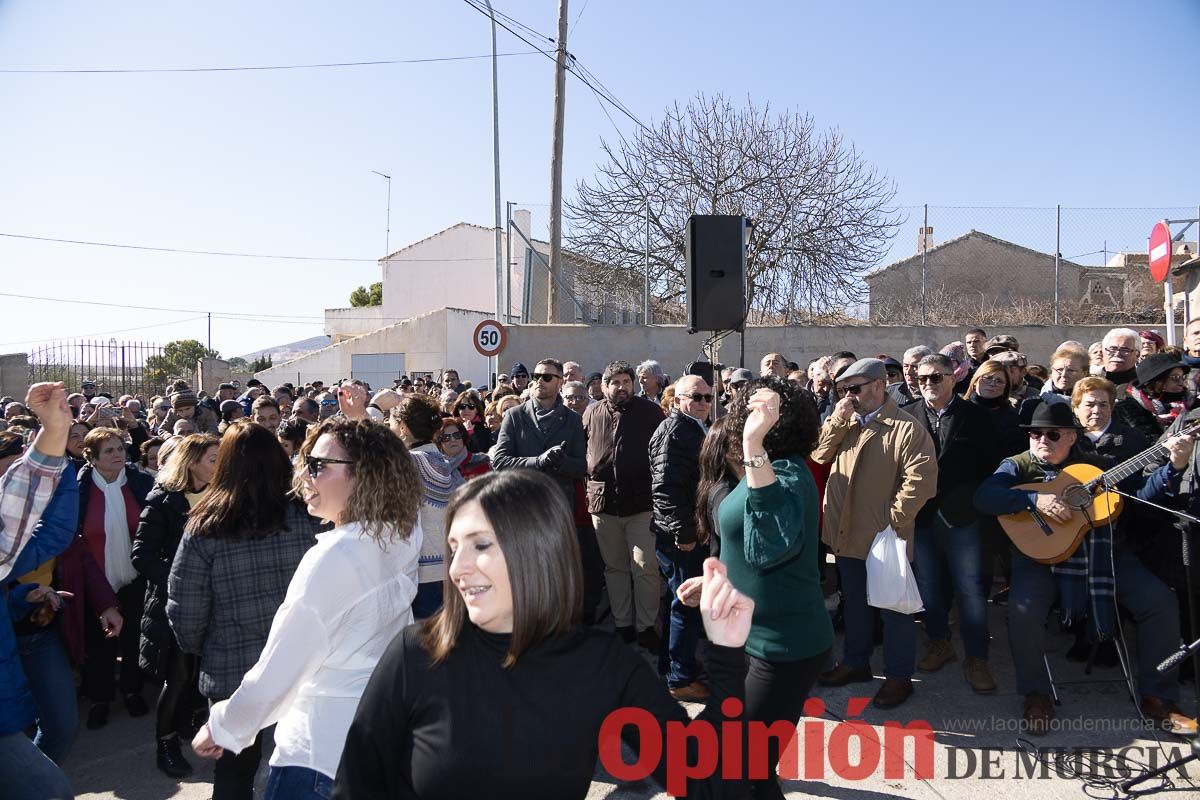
(1160, 251)
(489, 338)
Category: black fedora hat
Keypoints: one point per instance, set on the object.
(1156, 366)
(1051, 415)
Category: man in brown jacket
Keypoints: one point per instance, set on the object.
(884, 470)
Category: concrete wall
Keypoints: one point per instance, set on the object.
(14, 375)
(342, 323)
(429, 342)
(670, 345)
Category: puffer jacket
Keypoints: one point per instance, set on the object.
(159, 531)
(52, 534)
(674, 476)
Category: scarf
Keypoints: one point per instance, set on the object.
(118, 546)
(1165, 412)
(466, 457)
(1086, 584)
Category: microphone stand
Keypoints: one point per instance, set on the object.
(1184, 524)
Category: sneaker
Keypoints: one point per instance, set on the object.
(1039, 710)
(170, 758)
(979, 675)
(939, 654)
(694, 692)
(97, 716)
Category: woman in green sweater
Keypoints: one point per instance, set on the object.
(769, 535)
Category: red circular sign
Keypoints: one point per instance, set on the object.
(489, 338)
(1160, 251)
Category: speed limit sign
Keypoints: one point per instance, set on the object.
(490, 337)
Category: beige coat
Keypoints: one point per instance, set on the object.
(882, 475)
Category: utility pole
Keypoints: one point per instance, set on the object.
(560, 100)
(387, 231)
(210, 330)
(494, 362)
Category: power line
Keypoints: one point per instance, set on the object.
(180, 250)
(263, 68)
(580, 14)
(106, 333)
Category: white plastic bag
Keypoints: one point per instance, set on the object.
(890, 580)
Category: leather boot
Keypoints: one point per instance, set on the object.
(170, 758)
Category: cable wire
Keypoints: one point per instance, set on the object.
(263, 68)
(181, 250)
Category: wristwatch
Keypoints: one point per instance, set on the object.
(757, 461)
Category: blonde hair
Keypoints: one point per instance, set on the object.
(176, 475)
(987, 368)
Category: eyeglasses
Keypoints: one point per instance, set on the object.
(575, 397)
(329, 402)
(1119, 351)
(699, 398)
(1065, 370)
(853, 389)
(1052, 436)
(316, 465)
(993, 380)
(546, 377)
(452, 437)
(933, 379)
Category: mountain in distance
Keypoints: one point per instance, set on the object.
(287, 352)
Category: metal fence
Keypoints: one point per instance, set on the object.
(137, 368)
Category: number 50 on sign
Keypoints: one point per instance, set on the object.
(489, 338)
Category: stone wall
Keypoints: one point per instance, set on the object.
(14, 375)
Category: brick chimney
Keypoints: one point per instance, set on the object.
(924, 238)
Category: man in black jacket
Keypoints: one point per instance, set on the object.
(544, 434)
(949, 546)
(675, 473)
(618, 497)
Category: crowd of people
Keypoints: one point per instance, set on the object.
(411, 583)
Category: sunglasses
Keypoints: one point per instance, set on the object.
(452, 437)
(934, 379)
(854, 389)
(316, 465)
(699, 398)
(471, 406)
(1053, 436)
(546, 377)
(575, 397)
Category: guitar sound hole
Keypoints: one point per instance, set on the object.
(1077, 497)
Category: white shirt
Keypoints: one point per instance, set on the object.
(347, 601)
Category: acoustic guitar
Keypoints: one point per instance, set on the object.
(1082, 488)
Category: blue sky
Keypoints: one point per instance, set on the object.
(961, 103)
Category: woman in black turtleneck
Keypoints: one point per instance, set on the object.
(990, 389)
(502, 693)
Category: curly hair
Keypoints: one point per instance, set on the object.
(793, 436)
(387, 489)
(421, 414)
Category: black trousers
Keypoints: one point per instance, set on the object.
(593, 571)
(775, 692)
(180, 694)
(100, 659)
(233, 775)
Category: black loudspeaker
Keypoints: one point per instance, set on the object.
(701, 369)
(715, 248)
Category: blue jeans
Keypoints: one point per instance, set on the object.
(952, 557)
(899, 630)
(297, 783)
(686, 625)
(26, 773)
(48, 672)
(1153, 606)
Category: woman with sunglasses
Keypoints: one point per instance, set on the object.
(417, 421)
(469, 408)
(472, 702)
(350, 595)
(450, 441)
(240, 548)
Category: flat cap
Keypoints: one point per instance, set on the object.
(870, 368)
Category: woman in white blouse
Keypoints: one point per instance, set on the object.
(349, 598)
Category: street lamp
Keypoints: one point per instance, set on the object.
(387, 237)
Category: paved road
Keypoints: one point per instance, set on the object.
(118, 762)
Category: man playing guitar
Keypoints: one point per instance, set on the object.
(1085, 581)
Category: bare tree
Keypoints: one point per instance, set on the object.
(821, 214)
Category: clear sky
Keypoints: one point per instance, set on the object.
(961, 103)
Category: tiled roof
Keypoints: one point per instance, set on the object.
(969, 234)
